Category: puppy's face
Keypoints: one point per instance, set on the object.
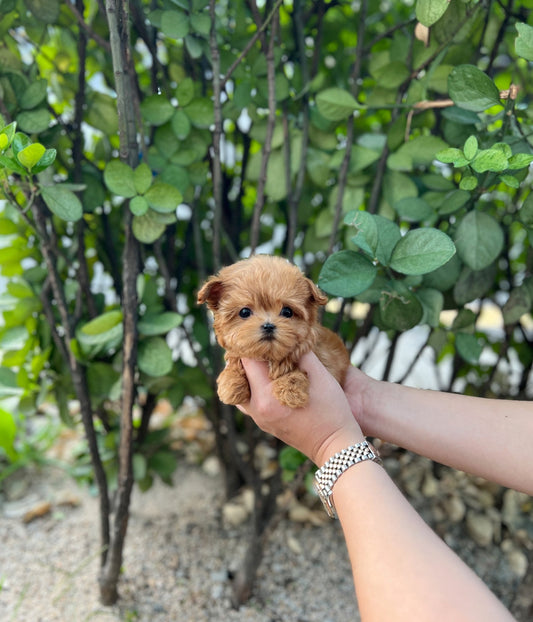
(264, 308)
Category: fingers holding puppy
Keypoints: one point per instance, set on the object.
(325, 421)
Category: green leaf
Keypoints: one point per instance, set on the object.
(156, 109)
(428, 12)
(432, 304)
(29, 156)
(34, 121)
(445, 277)
(120, 179)
(155, 357)
(421, 251)
(469, 347)
(62, 202)
(472, 89)
(201, 112)
(47, 160)
(336, 104)
(367, 236)
(524, 41)
(46, 11)
(102, 113)
(7, 135)
(105, 331)
(478, 239)
(142, 178)
(346, 274)
(525, 213)
(490, 160)
(164, 463)
(414, 209)
(201, 23)
(473, 284)
(400, 310)
(181, 126)
(468, 182)
(520, 160)
(159, 324)
(163, 197)
(185, 91)
(139, 206)
(450, 155)
(175, 24)
(453, 201)
(470, 147)
(33, 95)
(8, 431)
(518, 304)
(146, 228)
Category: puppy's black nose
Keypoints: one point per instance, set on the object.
(268, 328)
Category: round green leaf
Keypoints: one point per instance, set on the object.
(421, 251)
(154, 357)
(346, 274)
(414, 209)
(185, 91)
(102, 113)
(33, 95)
(159, 324)
(479, 240)
(174, 24)
(472, 89)
(163, 197)
(34, 121)
(29, 156)
(142, 178)
(336, 104)
(146, 229)
(453, 201)
(400, 310)
(181, 126)
(473, 284)
(201, 112)
(469, 347)
(119, 178)
(62, 202)
(156, 109)
(139, 206)
(430, 11)
(46, 11)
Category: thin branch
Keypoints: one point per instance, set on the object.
(93, 35)
(260, 200)
(217, 134)
(258, 33)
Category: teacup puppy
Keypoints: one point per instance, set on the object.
(264, 308)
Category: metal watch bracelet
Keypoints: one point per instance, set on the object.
(329, 473)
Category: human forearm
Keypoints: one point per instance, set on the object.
(395, 555)
(490, 438)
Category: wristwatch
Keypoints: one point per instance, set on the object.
(327, 475)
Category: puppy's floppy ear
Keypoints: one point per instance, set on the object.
(315, 295)
(211, 292)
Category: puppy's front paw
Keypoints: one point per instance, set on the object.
(232, 387)
(292, 389)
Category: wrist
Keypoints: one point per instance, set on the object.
(337, 442)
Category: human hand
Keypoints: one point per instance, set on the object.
(321, 428)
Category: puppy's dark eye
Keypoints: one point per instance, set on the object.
(245, 312)
(286, 312)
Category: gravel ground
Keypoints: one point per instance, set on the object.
(177, 558)
(181, 550)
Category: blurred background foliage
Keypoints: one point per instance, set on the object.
(383, 146)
